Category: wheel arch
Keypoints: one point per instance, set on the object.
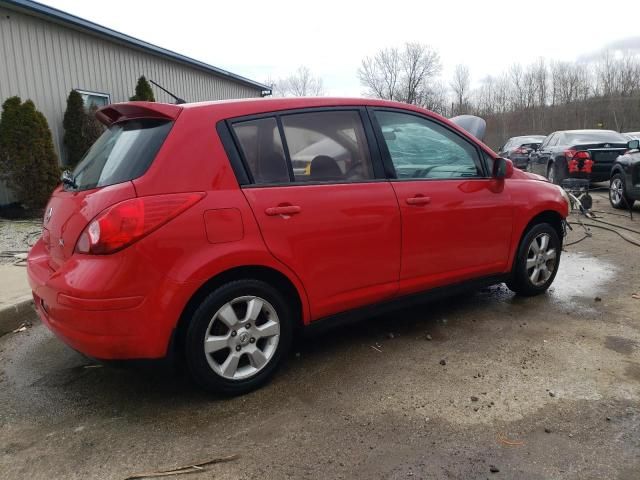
(617, 168)
(546, 216)
(549, 216)
(269, 275)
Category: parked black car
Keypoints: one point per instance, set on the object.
(624, 188)
(553, 158)
(517, 149)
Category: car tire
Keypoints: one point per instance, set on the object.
(618, 193)
(238, 337)
(540, 250)
(555, 174)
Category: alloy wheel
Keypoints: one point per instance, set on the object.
(541, 259)
(616, 191)
(242, 337)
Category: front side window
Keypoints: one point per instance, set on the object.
(327, 146)
(421, 148)
(261, 147)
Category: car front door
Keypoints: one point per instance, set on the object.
(456, 219)
(540, 158)
(323, 205)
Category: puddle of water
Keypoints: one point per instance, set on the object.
(623, 345)
(581, 277)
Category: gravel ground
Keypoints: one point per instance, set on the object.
(16, 237)
(483, 385)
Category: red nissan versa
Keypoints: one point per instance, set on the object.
(219, 230)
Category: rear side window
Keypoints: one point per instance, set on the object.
(123, 152)
(262, 149)
(327, 146)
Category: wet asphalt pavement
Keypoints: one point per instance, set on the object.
(539, 388)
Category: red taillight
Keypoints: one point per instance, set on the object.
(521, 151)
(127, 222)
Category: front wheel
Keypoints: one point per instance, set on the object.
(617, 193)
(537, 261)
(238, 337)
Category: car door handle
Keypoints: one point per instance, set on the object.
(283, 210)
(418, 200)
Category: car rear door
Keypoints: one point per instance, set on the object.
(333, 220)
(456, 220)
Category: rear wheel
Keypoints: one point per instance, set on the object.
(537, 261)
(555, 173)
(617, 193)
(238, 337)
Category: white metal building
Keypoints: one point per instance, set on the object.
(45, 53)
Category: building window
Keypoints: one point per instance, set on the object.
(96, 99)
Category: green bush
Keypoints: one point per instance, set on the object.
(91, 127)
(73, 121)
(143, 91)
(81, 128)
(28, 162)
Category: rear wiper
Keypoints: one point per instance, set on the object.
(68, 180)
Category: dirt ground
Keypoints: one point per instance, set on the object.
(538, 388)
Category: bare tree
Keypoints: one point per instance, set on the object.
(436, 98)
(380, 73)
(461, 85)
(541, 75)
(405, 75)
(300, 84)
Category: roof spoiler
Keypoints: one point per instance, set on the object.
(476, 126)
(118, 112)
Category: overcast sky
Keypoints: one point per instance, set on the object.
(270, 39)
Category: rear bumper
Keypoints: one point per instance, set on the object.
(83, 305)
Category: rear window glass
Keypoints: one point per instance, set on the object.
(123, 152)
(594, 137)
(523, 140)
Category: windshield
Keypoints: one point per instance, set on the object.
(594, 137)
(122, 153)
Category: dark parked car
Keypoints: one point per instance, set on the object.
(517, 149)
(559, 155)
(624, 188)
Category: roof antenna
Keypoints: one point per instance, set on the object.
(178, 100)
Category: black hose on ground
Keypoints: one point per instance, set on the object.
(627, 239)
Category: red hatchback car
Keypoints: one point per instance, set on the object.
(221, 230)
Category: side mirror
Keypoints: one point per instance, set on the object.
(502, 168)
(633, 144)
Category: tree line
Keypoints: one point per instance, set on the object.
(535, 98)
